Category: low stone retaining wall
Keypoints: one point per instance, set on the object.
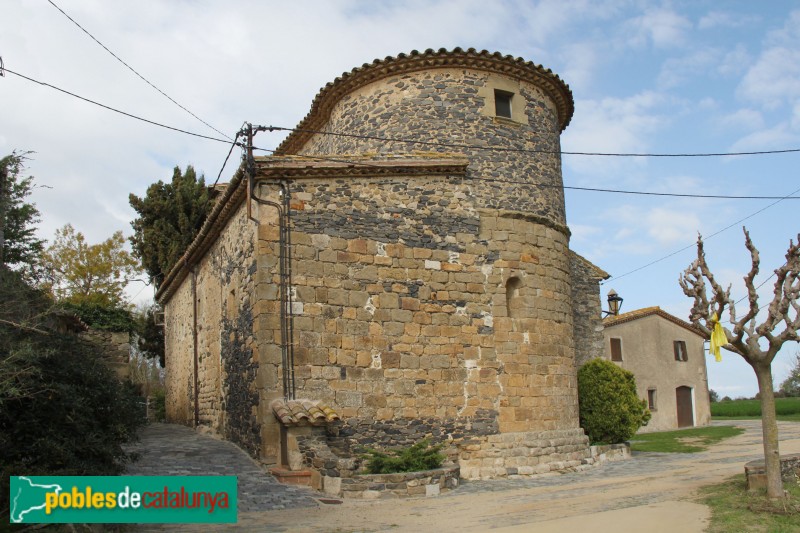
(523, 454)
(399, 485)
(756, 473)
(607, 453)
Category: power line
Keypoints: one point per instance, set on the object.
(226, 159)
(645, 193)
(708, 237)
(115, 110)
(362, 163)
(546, 185)
(132, 69)
(530, 150)
(779, 199)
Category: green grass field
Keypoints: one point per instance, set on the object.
(786, 409)
(735, 509)
(684, 440)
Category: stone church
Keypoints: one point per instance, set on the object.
(399, 269)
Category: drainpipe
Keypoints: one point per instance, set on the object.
(194, 344)
(284, 263)
(287, 195)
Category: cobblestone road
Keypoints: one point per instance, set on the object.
(173, 450)
(647, 481)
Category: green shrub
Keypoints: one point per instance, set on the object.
(415, 458)
(102, 317)
(159, 405)
(62, 410)
(610, 411)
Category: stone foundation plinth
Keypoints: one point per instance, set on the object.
(399, 485)
(293, 477)
(756, 473)
(523, 454)
(607, 453)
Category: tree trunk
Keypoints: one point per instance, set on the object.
(769, 427)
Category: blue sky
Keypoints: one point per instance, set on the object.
(655, 77)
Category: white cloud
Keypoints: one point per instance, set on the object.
(612, 125)
(774, 78)
(669, 227)
(677, 70)
(663, 28)
(581, 62)
(724, 19)
(735, 61)
(773, 138)
(708, 103)
(584, 232)
(743, 119)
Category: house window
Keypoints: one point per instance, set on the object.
(616, 349)
(679, 347)
(651, 399)
(502, 103)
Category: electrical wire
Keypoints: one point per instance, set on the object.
(706, 238)
(530, 150)
(133, 70)
(568, 187)
(323, 158)
(226, 159)
(362, 163)
(153, 122)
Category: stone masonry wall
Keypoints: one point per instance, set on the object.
(227, 364)
(524, 454)
(432, 306)
(116, 349)
(178, 356)
(391, 332)
(586, 310)
(449, 106)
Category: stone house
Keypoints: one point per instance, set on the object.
(350, 291)
(667, 356)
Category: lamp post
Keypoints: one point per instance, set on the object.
(614, 303)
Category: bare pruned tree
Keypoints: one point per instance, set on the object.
(757, 343)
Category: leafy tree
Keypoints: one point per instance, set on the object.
(103, 317)
(82, 273)
(170, 216)
(62, 410)
(713, 397)
(758, 344)
(19, 247)
(791, 385)
(610, 411)
(150, 335)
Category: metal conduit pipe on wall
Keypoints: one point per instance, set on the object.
(286, 312)
(285, 284)
(195, 349)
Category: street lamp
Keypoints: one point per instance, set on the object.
(614, 303)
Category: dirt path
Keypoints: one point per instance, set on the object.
(650, 492)
(651, 489)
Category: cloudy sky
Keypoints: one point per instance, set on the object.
(648, 77)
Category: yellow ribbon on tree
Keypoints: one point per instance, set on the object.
(718, 338)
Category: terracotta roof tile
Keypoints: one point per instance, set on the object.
(470, 58)
(298, 412)
(649, 311)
